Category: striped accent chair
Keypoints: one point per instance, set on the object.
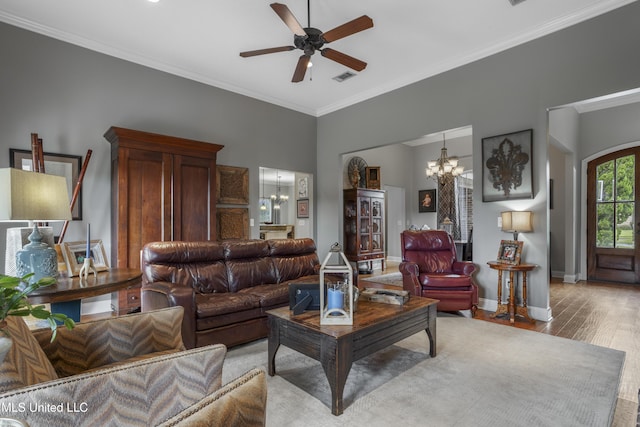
(130, 370)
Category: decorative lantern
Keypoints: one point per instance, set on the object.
(336, 289)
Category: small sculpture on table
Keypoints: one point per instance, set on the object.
(87, 268)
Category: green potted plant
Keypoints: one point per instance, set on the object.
(14, 302)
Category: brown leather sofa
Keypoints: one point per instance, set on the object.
(225, 287)
(430, 269)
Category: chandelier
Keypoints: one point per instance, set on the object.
(278, 199)
(443, 166)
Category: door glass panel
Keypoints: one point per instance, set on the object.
(625, 176)
(624, 225)
(604, 226)
(604, 182)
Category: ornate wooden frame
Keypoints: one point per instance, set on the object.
(510, 252)
(232, 185)
(232, 223)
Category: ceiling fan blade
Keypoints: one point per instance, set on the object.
(341, 58)
(285, 14)
(351, 27)
(265, 51)
(301, 69)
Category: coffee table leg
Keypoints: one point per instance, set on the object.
(336, 359)
(431, 330)
(273, 344)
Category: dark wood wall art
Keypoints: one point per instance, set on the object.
(232, 223)
(233, 185)
(507, 166)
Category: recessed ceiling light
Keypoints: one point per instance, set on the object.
(153, 1)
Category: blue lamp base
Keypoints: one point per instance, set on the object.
(37, 257)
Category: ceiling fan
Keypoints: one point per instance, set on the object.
(310, 40)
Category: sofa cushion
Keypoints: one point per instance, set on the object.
(293, 258)
(269, 295)
(25, 363)
(217, 304)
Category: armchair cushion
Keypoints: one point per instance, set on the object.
(100, 343)
(25, 363)
(241, 402)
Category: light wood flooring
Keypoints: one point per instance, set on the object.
(604, 314)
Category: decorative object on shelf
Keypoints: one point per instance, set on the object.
(510, 252)
(427, 200)
(356, 172)
(32, 196)
(507, 171)
(303, 208)
(232, 185)
(447, 225)
(65, 165)
(517, 222)
(232, 223)
(14, 302)
(444, 165)
(373, 177)
(75, 254)
(336, 289)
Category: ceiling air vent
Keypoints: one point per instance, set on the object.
(515, 2)
(344, 76)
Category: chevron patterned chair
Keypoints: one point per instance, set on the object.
(129, 370)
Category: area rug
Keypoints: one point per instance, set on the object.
(393, 279)
(484, 374)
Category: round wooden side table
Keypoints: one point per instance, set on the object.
(511, 307)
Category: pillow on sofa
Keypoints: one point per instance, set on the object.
(25, 364)
(242, 402)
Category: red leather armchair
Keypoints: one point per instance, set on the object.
(430, 269)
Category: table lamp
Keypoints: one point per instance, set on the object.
(33, 197)
(517, 222)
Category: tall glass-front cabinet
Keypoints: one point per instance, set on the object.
(364, 226)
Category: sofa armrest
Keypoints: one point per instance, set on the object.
(167, 294)
(463, 267)
(141, 393)
(99, 343)
(410, 281)
(241, 402)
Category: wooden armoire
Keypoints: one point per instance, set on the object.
(162, 188)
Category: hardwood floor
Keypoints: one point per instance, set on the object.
(599, 313)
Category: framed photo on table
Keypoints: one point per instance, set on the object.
(65, 165)
(510, 252)
(75, 252)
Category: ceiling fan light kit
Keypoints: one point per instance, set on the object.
(310, 40)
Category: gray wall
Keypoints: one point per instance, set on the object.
(506, 92)
(70, 96)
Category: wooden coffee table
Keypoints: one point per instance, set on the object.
(375, 326)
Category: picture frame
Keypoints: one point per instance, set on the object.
(232, 185)
(510, 252)
(75, 252)
(507, 166)
(303, 208)
(303, 187)
(65, 165)
(265, 214)
(427, 200)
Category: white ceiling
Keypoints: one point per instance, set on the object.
(201, 39)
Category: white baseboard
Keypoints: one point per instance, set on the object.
(394, 258)
(570, 278)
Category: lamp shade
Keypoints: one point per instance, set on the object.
(517, 221)
(32, 196)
